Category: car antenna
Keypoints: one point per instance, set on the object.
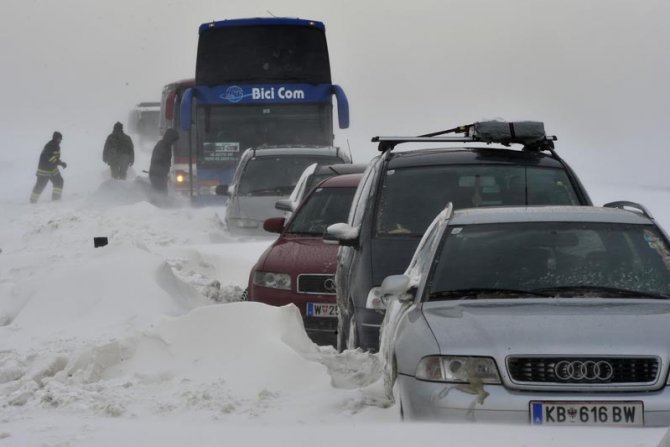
(351, 157)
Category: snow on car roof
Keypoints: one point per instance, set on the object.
(546, 214)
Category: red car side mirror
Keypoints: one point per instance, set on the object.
(274, 224)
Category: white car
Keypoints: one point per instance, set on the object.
(264, 176)
(536, 315)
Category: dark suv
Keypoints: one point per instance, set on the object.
(401, 192)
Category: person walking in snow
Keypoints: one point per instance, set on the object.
(47, 169)
(119, 152)
(161, 160)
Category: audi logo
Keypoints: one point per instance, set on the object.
(584, 370)
(329, 285)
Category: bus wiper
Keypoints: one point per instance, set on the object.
(599, 292)
(460, 294)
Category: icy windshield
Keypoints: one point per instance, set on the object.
(278, 175)
(324, 207)
(411, 197)
(553, 259)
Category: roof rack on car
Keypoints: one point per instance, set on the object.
(623, 204)
(528, 133)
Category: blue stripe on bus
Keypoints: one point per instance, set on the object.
(263, 94)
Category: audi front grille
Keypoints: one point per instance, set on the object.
(583, 370)
(316, 284)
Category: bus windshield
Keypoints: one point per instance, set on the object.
(230, 130)
(262, 54)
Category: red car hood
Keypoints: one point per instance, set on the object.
(299, 254)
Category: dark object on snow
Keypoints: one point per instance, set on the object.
(161, 159)
(100, 241)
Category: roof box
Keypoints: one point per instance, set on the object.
(506, 132)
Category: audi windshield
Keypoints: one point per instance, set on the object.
(552, 259)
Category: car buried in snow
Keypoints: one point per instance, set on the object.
(299, 267)
(535, 315)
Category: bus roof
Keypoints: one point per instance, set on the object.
(262, 21)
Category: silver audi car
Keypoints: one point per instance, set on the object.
(537, 315)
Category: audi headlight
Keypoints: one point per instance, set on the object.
(273, 280)
(244, 223)
(458, 369)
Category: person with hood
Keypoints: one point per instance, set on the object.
(47, 169)
(161, 160)
(118, 152)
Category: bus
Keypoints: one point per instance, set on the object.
(258, 82)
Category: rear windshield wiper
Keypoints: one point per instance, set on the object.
(599, 292)
(461, 294)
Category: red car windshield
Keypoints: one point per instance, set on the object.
(325, 206)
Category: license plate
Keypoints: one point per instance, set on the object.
(628, 413)
(321, 310)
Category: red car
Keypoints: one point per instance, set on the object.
(299, 267)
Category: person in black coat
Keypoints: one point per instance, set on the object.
(47, 169)
(119, 152)
(161, 160)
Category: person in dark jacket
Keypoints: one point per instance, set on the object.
(47, 169)
(118, 152)
(161, 160)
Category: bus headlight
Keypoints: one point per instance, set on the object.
(180, 176)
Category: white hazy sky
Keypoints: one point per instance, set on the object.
(595, 71)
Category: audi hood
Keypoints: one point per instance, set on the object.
(499, 328)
